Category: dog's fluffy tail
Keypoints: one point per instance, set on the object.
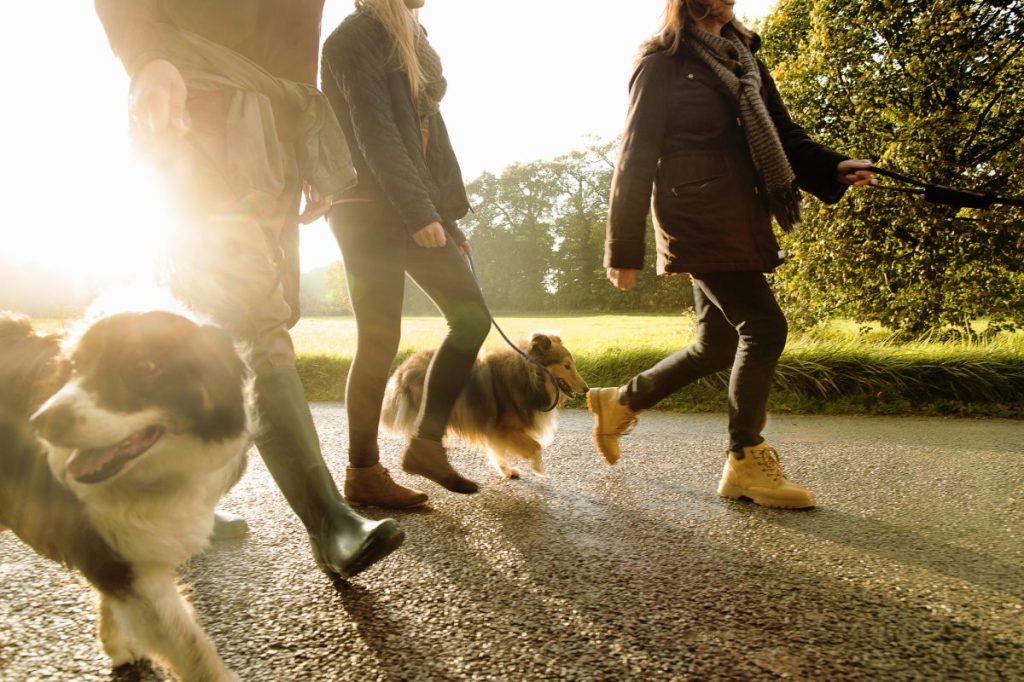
(404, 394)
(397, 413)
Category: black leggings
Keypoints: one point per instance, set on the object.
(739, 325)
(378, 252)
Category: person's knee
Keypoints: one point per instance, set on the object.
(375, 353)
(767, 335)
(469, 326)
(717, 354)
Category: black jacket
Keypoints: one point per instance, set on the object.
(373, 102)
(683, 137)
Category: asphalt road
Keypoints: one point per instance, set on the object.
(911, 568)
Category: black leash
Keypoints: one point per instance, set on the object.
(555, 381)
(940, 194)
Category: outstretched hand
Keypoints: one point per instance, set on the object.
(854, 172)
(158, 97)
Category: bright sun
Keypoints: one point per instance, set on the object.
(83, 210)
(81, 205)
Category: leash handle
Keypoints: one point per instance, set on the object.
(517, 349)
(941, 194)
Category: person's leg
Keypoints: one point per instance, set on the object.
(374, 253)
(752, 467)
(443, 274)
(712, 351)
(373, 248)
(748, 304)
(615, 408)
(228, 267)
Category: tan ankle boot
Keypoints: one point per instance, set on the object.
(758, 476)
(429, 459)
(373, 486)
(612, 420)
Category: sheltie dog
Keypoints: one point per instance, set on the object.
(508, 407)
(115, 446)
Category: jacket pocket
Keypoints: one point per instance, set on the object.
(691, 174)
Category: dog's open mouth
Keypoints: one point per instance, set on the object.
(97, 465)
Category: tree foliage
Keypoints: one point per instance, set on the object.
(930, 88)
(538, 233)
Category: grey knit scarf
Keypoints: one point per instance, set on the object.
(434, 85)
(732, 61)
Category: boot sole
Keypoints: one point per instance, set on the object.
(731, 492)
(383, 541)
(378, 505)
(592, 405)
(466, 487)
(378, 546)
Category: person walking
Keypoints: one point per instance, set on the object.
(223, 100)
(386, 84)
(709, 132)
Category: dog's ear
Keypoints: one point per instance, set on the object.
(32, 367)
(540, 343)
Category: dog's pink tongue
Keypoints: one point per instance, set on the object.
(85, 462)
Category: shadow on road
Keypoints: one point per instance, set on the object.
(900, 545)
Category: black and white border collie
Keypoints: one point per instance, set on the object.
(115, 446)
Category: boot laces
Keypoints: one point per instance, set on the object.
(767, 459)
(628, 423)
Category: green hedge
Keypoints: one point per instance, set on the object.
(821, 379)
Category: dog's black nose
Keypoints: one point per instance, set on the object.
(54, 422)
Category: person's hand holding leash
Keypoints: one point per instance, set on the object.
(430, 237)
(854, 172)
(316, 206)
(158, 96)
(623, 278)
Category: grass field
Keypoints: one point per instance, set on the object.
(840, 368)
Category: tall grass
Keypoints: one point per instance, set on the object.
(836, 368)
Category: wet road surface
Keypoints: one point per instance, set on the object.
(911, 568)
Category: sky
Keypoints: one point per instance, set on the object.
(528, 80)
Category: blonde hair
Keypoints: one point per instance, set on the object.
(402, 24)
(677, 16)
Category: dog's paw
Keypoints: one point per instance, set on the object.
(121, 656)
(511, 474)
(135, 671)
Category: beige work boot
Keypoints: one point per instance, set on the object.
(758, 477)
(612, 420)
(373, 486)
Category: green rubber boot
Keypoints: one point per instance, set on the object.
(344, 543)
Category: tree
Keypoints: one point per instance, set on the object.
(583, 178)
(929, 88)
(511, 235)
(538, 236)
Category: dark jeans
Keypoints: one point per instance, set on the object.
(739, 324)
(378, 252)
